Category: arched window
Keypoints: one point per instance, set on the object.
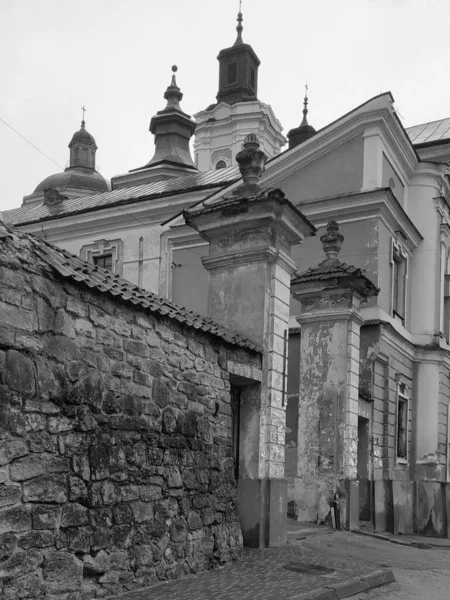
(221, 164)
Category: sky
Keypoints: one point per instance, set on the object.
(115, 57)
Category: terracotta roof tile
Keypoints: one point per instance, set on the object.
(75, 269)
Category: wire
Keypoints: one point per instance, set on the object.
(31, 144)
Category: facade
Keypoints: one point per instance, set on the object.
(389, 191)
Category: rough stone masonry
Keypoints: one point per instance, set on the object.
(116, 465)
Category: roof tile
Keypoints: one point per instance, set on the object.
(75, 269)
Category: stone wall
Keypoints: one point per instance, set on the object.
(116, 466)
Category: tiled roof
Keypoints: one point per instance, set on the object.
(428, 133)
(325, 272)
(178, 185)
(102, 280)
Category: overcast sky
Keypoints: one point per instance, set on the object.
(114, 56)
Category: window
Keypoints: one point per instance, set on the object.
(107, 254)
(232, 72)
(252, 77)
(221, 164)
(402, 422)
(398, 281)
(104, 261)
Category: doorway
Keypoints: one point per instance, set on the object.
(363, 468)
(235, 426)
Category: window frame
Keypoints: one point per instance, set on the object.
(403, 397)
(233, 64)
(399, 273)
(96, 258)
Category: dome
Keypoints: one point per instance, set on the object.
(83, 136)
(77, 178)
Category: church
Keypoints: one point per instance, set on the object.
(357, 322)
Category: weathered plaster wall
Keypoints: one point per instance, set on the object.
(337, 172)
(293, 386)
(130, 236)
(190, 279)
(390, 178)
(322, 417)
(115, 442)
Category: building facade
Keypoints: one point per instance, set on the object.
(389, 190)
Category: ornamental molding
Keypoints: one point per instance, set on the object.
(246, 257)
(349, 314)
(380, 203)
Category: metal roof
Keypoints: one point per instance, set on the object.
(81, 272)
(427, 133)
(157, 189)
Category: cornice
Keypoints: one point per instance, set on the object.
(349, 314)
(245, 257)
(380, 203)
(141, 213)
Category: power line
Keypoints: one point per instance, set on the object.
(31, 143)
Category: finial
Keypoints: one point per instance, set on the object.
(305, 106)
(239, 27)
(251, 161)
(332, 243)
(173, 93)
(84, 109)
(174, 70)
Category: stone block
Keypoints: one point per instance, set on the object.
(74, 515)
(27, 468)
(9, 494)
(47, 488)
(11, 449)
(8, 543)
(104, 493)
(62, 349)
(20, 563)
(14, 316)
(37, 539)
(46, 516)
(15, 519)
(19, 373)
(63, 572)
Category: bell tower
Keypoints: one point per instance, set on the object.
(223, 126)
(238, 71)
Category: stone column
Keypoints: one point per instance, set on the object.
(330, 297)
(250, 234)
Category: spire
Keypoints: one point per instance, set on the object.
(238, 70)
(300, 134)
(173, 93)
(239, 27)
(172, 129)
(305, 107)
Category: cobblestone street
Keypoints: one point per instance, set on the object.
(261, 576)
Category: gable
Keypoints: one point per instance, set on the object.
(339, 171)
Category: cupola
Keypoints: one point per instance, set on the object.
(238, 71)
(78, 179)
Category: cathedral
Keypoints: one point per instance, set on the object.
(360, 334)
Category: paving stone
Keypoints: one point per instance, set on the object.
(260, 576)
